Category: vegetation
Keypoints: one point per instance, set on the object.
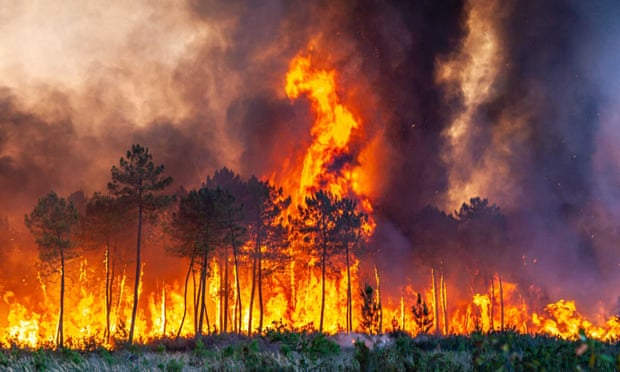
(52, 222)
(229, 226)
(137, 183)
(294, 350)
(371, 310)
(330, 226)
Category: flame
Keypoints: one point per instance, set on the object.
(292, 295)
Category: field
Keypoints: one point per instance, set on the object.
(284, 350)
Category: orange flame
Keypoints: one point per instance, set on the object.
(292, 295)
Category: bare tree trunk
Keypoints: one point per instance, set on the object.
(60, 339)
(189, 271)
(163, 309)
(225, 292)
(435, 299)
(239, 309)
(323, 259)
(108, 291)
(196, 298)
(501, 302)
(492, 302)
(203, 288)
(349, 310)
(136, 288)
(261, 308)
(254, 274)
(380, 329)
(444, 303)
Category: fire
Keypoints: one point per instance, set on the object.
(332, 131)
(292, 294)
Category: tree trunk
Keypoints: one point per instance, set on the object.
(189, 271)
(492, 302)
(203, 287)
(323, 259)
(196, 298)
(501, 303)
(261, 310)
(225, 293)
(108, 291)
(254, 274)
(136, 288)
(60, 340)
(380, 327)
(239, 314)
(444, 303)
(435, 299)
(349, 305)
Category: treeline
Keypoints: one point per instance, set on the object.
(226, 220)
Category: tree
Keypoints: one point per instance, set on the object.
(482, 229)
(198, 230)
(51, 222)
(103, 223)
(264, 209)
(371, 309)
(230, 201)
(232, 213)
(138, 184)
(422, 315)
(317, 224)
(434, 236)
(349, 229)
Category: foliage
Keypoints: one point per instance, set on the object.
(299, 350)
(51, 222)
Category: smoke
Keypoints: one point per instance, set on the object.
(514, 101)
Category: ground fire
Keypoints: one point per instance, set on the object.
(356, 208)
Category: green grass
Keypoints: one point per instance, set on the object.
(280, 349)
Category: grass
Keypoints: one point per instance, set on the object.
(279, 349)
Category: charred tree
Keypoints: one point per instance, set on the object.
(422, 315)
(371, 310)
(138, 184)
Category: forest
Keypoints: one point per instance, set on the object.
(242, 243)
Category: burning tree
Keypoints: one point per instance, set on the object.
(371, 309)
(198, 229)
(229, 201)
(137, 184)
(317, 224)
(422, 315)
(52, 222)
(329, 226)
(349, 231)
(434, 236)
(103, 223)
(264, 211)
(482, 228)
